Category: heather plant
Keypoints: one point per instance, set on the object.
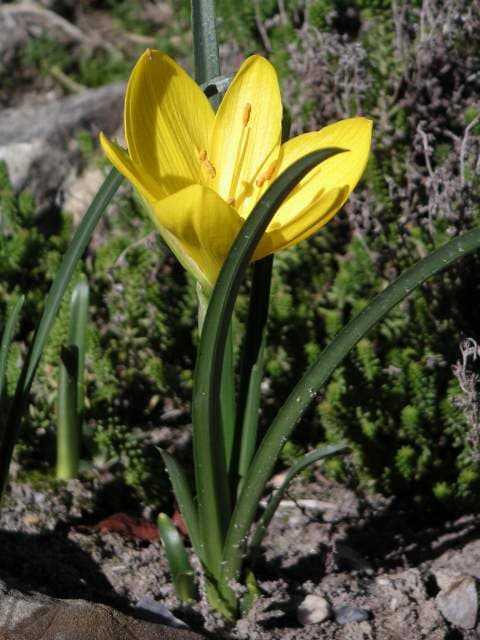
(421, 188)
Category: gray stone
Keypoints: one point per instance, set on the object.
(37, 141)
(458, 602)
(37, 617)
(350, 613)
(313, 610)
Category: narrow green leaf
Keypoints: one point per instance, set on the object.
(68, 432)
(71, 385)
(178, 562)
(183, 494)
(303, 393)
(78, 334)
(250, 420)
(72, 256)
(251, 371)
(52, 304)
(251, 594)
(307, 460)
(227, 398)
(210, 470)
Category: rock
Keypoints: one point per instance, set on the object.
(458, 602)
(313, 610)
(350, 613)
(37, 142)
(79, 191)
(38, 617)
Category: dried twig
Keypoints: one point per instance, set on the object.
(469, 402)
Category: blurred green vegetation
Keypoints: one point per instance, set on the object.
(393, 398)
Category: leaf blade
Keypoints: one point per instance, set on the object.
(302, 394)
(211, 477)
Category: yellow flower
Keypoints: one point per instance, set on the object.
(201, 173)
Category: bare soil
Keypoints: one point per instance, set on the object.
(355, 551)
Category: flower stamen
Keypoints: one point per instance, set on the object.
(241, 149)
(210, 169)
(266, 175)
(231, 201)
(247, 110)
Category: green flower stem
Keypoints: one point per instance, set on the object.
(52, 304)
(303, 393)
(205, 45)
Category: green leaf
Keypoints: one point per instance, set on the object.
(307, 460)
(68, 432)
(78, 333)
(71, 385)
(227, 395)
(252, 364)
(303, 393)
(180, 568)
(185, 501)
(52, 304)
(211, 477)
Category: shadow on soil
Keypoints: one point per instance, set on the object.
(55, 566)
(398, 537)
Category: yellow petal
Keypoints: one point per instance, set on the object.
(247, 131)
(342, 171)
(148, 188)
(303, 225)
(203, 227)
(168, 122)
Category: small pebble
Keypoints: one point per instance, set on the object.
(313, 610)
(458, 603)
(350, 613)
(156, 612)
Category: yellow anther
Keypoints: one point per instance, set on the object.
(149, 54)
(231, 201)
(266, 175)
(210, 169)
(247, 110)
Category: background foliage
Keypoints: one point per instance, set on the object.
(413, 68)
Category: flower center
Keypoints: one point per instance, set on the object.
(236, 195)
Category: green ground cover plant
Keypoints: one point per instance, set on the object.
(393, 398)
